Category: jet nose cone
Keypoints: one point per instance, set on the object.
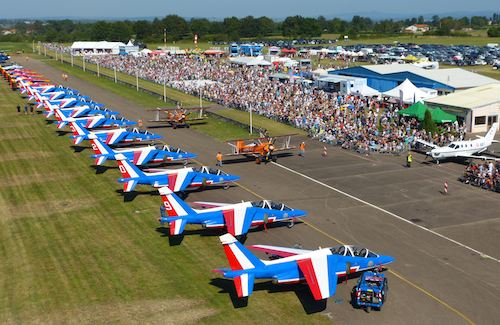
(386, 260)
(298, 213)
(231, 178)
(190, 155)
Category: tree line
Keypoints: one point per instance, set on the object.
(229, 29)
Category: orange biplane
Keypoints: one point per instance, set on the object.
(177, 117)
(262, 149)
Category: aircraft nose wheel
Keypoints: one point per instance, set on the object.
(225, 187)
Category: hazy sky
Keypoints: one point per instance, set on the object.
(224, 8)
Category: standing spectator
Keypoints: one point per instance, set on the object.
(219, 159)
(302, 149)
(409, 160)
(25, 109)
(18, 108)
(31, 109)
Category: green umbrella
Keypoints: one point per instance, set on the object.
(440, 116)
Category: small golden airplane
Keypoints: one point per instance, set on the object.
(177, 117)
(262, 149)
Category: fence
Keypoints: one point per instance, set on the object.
(112, 75)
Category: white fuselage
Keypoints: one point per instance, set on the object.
(460, 148)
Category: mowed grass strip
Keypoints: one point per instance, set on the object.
(75, 252)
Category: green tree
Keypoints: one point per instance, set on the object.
(428, 124)
(200, 26)
(100, 31)
(494, 31)
(177, 27)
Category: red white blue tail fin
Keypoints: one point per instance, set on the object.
(244, 284)
(175, 209)
(130, 173)
(320, 275)
(239, 257)
(101, 150)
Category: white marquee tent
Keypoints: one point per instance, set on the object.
(409, 92)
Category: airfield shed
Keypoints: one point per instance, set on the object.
(478, 106)
(389, 76)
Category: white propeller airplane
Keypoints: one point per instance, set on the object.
(463, 149)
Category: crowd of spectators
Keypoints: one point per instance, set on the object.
(485, 175)
(360, 123)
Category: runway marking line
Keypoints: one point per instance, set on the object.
(390, 213)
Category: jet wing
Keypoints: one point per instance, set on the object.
(478, 157)
(279, 251)
(206, 205)
(320, 275)
(432, 145)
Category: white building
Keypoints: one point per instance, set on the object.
(417, 28)
(479, 106)
(102, 47)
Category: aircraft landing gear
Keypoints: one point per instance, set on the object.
(291, 223)
(226, 186)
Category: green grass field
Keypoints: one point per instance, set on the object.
(73, 251)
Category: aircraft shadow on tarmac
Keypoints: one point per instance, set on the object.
(302, 292)
(252, 159)
(211, 232)
(457, 160)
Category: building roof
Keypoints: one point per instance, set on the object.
(96, 45)
(455, 77)
(470, 98)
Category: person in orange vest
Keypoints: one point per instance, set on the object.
(302, 149)
(219, 159)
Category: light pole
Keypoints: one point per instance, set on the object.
(72, 59)
(114, 69)
(98, 71)
(83, 60)
(164, 90)
(251, 124)
(164, 38)
(137, 80)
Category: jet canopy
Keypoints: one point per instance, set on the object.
(172, 149)
(208, 170)
(271, 205)
(349, 250)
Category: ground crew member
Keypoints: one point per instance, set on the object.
(302, 149)
(18, 108)
(219, 159)
(409, 160)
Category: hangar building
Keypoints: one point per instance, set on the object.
(386, 77)
(479, 106)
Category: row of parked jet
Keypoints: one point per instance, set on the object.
(140, 162)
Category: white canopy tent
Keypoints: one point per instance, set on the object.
(409, 92)
(365, 90)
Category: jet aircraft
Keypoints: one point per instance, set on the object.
(319, 268)
(236, 218)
